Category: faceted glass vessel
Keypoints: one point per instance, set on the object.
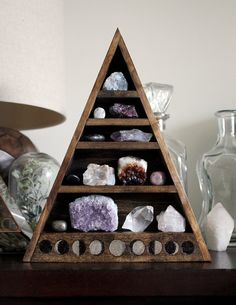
(216, 169)
(177, 151)
(31, 177)
(159, 97)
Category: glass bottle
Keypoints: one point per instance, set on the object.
(159, 97)
(177, 150)
(216, 169)
(31, 177)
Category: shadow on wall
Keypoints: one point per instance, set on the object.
(199, 138)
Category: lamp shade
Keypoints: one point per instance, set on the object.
(32, 86)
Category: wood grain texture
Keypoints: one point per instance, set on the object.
(81, 153)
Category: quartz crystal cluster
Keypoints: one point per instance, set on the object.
(132, 170)
(99, 175)
(116, 81)
(133, 135)
(218, 228)
(139, 219)
(94, 212)
(119, 110)
(171, 220)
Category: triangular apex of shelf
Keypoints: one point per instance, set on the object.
(44, 246)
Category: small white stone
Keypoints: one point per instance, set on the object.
(138, 247)
(171, 220)
(99, 175)
(218, 228)
(59, 225)
(139, 219)
(99, 113)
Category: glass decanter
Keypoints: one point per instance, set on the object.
(177, 150)
(159, 97)
(216, 169)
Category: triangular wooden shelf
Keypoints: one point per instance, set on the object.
(12, 239)
(190, 245)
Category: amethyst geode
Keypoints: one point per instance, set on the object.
(123, 111)
(94, 212)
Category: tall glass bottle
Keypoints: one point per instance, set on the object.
(159, 96)
(216, 169)
(177, 150)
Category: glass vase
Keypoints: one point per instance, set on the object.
(31, 177)
(216, 169)
(177, 151)
(159, 97)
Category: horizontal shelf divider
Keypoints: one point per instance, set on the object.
(118, 122)
(111, 94)
(118, 189)
(118, 145)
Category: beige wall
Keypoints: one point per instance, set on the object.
(190, 44)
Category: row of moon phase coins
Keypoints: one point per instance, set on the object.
(117, 247)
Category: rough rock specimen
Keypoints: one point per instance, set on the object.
(116, 81)
(119, 110)
(94, 212)
(99, 175)
(99, 113)
(132, 170)
(59, 225)
(158, 178)
(171, 220)
(139, 219)
(218, 228)
(95, 137)
(133, 135)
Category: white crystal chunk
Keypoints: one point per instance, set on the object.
(116, 81)
(218, 228)
(99, 175)
(139, 219)
(171, 220)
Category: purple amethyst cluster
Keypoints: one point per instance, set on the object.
(123, 111)
(94, 212)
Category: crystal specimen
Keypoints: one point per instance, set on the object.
(158, 178)
(99, 113)
(218, 228)
(119, 110)
(171, 220)
(95, 137)
(71, 179)
(99, 175)
(139, 219)
(132, 170)
(94, 212)
(116, 81)
(133, 135)
(59, 225)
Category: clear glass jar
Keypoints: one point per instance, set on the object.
(216, 169)
(177, 150)
(31, 177)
